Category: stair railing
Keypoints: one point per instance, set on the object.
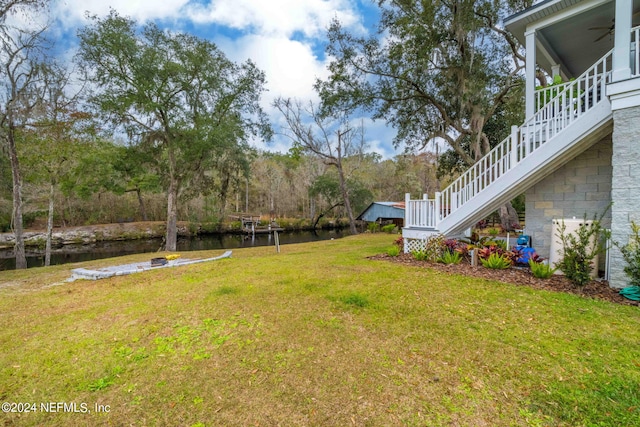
(573, 100)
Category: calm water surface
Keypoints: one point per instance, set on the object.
(78, 253)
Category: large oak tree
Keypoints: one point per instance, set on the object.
(174, 93)
(434, 70)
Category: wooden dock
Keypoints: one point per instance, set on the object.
(251, 224)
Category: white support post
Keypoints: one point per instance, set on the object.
(514, 146)
(408, 220)
(530, 71)
(438, 203)
(425, 210)
(622, 39)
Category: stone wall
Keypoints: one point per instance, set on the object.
(582, 186)
(625, 186)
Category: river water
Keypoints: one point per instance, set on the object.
(78, 253)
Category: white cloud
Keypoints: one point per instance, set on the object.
(275, 17)
(71, 12)
(291, 66)
(280, 36)
(377, 135)
(291, 69)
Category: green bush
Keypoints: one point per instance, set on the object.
(235, 225)
(393, 251)
(580, 249)
(5, 223)
(373, 227)
(210, 227)
(389, 228)
(493, 231)
(496, 261)
(420, 255)
(193, 228)
(450, 258)
(541, 270)
(631, 254)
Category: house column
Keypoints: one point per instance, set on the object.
(530, 71)
(622, 39)
(624, 93)
(625, 187)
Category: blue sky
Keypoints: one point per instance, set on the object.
(285, 38)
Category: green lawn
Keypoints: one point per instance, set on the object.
(317, 335)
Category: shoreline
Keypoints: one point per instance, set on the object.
(91, 234)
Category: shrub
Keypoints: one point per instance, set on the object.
(493, 231)
(193, 228)
(541, 270)
(496, 261)
(450, 245)
(631, 254)
(399, 242)
(5, 223)
(373, 227)
(486, 251)
(393, 251)
(420, 255)
(514, 255)
(450, 257)
(389, 228)
(434, 247)
(235, 225)
(580, 249)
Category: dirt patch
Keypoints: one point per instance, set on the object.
(598, 289)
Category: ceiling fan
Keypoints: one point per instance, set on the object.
(610, 29)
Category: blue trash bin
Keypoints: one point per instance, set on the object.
(524, 240)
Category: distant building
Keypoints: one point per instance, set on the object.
(382, 212)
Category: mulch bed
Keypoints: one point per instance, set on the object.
(598, 289)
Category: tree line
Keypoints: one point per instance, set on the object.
(100, 187)
(167, 119)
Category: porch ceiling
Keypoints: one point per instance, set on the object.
(573, 40)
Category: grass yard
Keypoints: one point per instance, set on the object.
(317, 335)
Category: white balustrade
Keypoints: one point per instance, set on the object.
(572, 101)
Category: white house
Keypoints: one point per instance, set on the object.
(576, 153)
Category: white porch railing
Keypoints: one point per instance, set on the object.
(420, 213)
(635, 52)
(572, 102)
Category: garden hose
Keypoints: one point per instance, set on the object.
(631, 292)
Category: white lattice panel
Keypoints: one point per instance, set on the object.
(412, 245)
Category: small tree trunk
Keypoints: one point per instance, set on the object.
(509, 217)
(171, 237)
(347, 202)
(172, 216)
(21, 257)
(223, 194)
(143, 211)
(312, 208)
(47, 251)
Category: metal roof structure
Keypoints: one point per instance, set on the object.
(382, 211)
